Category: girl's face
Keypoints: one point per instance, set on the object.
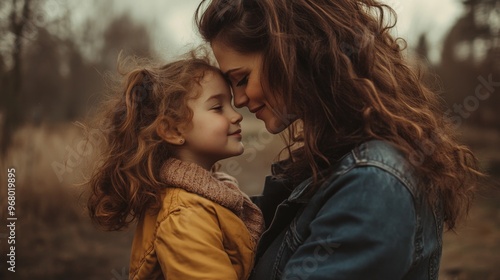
(244, 72)
(215, 131)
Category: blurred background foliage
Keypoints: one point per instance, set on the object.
(51, 74)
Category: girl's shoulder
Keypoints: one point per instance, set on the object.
(177, 201)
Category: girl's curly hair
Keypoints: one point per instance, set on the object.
(125, 184)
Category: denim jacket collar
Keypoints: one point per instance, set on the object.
(299, 193)
(303, 193)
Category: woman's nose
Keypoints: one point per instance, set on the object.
(240, 98)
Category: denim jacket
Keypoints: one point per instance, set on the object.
(367, 221)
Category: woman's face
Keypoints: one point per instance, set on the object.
(244, 72)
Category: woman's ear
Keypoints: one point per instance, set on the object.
(169, 133)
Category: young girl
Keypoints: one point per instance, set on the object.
(165, 130)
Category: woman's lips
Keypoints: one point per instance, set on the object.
(257, 111)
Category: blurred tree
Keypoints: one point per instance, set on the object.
(85, 81)
(428, 70)
(19, 17)
(80, 82)
(44, 75)
(3, 84)
(41, 96)
(422, 48)
(470, 59)
(63, 85)
(125, 34)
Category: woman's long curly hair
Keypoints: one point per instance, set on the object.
(125, 184)
(335, 66)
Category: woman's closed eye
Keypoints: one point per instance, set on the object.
(243, 81)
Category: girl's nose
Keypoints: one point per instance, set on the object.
(236, 117)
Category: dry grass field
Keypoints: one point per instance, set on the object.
(55, 240)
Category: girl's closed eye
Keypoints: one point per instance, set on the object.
(243, 81)
(217, 107)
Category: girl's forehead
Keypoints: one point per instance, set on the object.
(213, 76)
(211, 84)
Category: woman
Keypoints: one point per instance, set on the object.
(374, 172)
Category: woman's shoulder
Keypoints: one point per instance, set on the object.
(374, 157)
(379, 158)
(378, 153)
(372, 163)
(383, 155)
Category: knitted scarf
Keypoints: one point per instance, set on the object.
(217, 187)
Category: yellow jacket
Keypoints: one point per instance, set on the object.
(191, 237)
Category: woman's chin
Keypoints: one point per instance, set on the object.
(275, 127)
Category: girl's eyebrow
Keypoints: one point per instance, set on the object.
(217, 96)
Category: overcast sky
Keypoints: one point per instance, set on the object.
(414, 18)
(434, 17)
(172, 20)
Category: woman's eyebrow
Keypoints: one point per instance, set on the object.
(231, 70)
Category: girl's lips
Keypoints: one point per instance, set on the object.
(237, 134)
